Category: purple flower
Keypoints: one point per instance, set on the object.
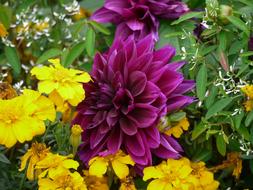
(138, 17)
(133, 87)
(250, 46)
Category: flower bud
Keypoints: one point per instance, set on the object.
(225, 11)
(75, 137)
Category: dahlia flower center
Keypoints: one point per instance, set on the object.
(123, 101)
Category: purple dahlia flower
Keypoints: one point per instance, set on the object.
(133, 87)
(138, 17)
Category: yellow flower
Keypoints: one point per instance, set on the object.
(35, 154)
(75, 137)
(95, 183)
(118, 162)
(81, 14)
(177, 130)
(22, 117)
(3, 31)
(248, 91)
(173, 174)
(38, 27)
(64, 181)
(6, 91)
(55, 164)
(234, 161)
(205, 178)
(127, 184)
(60, 82)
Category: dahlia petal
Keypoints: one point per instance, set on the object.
(144, 114)
(135, 145)
(164, 54)
(115, 140)
(149, 94)
(185, 86)
(177, 102)
(169, 81)
(104, 15)
(176, 65)
(137, 82)
(96, 138)
(128, 125)
(145, 45)
(134, 24)
(115, 5)
(141, 63)
(153, 137)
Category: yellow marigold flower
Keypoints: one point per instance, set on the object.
(173, 174)
(127, 184)
(177, 130)
(63, 181)
(205, 178)
(6, 91)
(94, 182)
(61, 82)
(3, 31)
(118, 162)
(22, 117)
(36, 153)
(55, 164)
(248, 91)
(233, 160)
(75, 137)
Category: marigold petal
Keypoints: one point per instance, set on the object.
(120, 169)
(47, 86)
(98, 167)
(151, 172)
(156, 184)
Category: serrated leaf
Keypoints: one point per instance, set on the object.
(51, 53)
(74, 53)
(201, 82)
(188, 16)
(4, 159)
(239, 24)
(249, 118)
(198, 130)
(221, 145)
(99, 27)
(218, 106)
(90, 42)
(13, 59)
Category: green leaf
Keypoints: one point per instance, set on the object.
(5, 16)
(249, 118)
(90, 42)
(218, 106)
(198, 130)
(243, 131)
(99, 27)
(51, 53)
(221, 145)
(201, 82)
(238, 119)
(74, 53)
(204, 155)
(177, 116)
(211, 97)
(246, 54)
(13, 59)
(188, 16)
(4, 159)
(222, 41)
(239, 24)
